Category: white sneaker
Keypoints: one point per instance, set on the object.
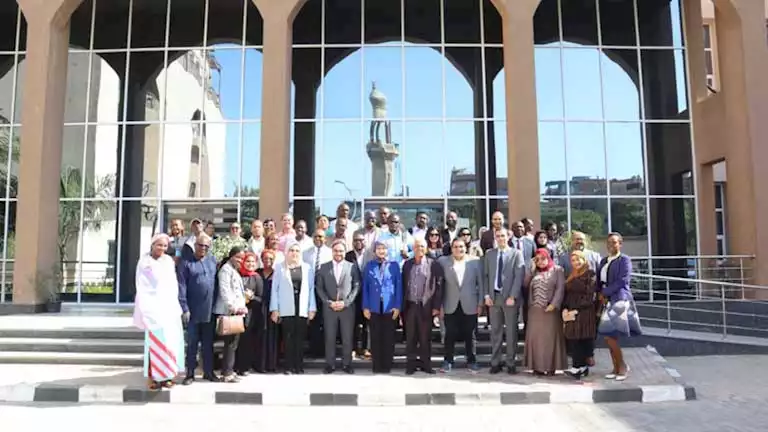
(611, 376)
(621, 377)
(573, 371)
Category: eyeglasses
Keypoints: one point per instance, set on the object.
(203, 246)
(434, 234)
(465, 234)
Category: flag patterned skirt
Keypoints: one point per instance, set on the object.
(163, 356)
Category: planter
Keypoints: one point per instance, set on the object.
(53, 307)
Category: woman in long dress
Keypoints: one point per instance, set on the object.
(158, 313)
(266, 350)
(544, 340)
(253, 285)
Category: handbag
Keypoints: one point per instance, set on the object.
(228, 325)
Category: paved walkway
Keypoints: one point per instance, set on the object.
(650, 380)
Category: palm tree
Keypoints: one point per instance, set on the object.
(71, 186)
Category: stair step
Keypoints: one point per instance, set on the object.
(44, 357)
(65, 333)
(63, 345)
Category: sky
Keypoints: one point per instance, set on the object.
(601, 139)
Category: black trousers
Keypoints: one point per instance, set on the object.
(361, 328)
(231, 343)
(418, 326)
(579, 350)
(294, 334)
(316, 334)
(460, 325)
(249, 341)
(382, 342)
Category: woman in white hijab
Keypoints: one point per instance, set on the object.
(158, 313)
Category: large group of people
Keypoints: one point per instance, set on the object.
(266, 293)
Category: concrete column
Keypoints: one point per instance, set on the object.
(743, 60)
(42, 116)
(697, 88)
(278, 19)
(522, 119)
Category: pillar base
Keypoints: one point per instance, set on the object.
(22, 309)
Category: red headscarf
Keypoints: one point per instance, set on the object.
(244, 271)
(544, 253)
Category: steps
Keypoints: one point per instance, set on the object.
(124, 346)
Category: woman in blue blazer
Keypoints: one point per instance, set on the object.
(293, 304)
(620, 315)
(382, 300)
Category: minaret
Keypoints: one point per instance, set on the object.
(382, 153)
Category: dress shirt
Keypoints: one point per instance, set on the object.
(256, 245)
(517, 243)
(499, 269)
(459, 267)
(417, 281)
(604, 270)
(337, 271)
(418, 233)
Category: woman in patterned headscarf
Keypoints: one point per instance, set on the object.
(544, 341)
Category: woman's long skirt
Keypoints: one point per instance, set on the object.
(544, 341)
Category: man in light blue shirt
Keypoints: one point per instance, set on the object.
(399, 243)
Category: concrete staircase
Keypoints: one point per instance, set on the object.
(117, 344)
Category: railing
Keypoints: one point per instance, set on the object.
(735, 269)
(710, 306)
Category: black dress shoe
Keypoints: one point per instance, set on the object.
(211, 377)
(287, 372)
(495, 369)
(348, 370)
(242, 373)
(429, 371)
(410, 371)
(328, 370)
(189, 379)
(512, 370)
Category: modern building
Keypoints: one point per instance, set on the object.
(603, 115)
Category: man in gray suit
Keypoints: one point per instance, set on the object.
(503, 273)
(521, 242)
(337, 285)
(462, 302)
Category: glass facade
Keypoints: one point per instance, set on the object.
(397, 103)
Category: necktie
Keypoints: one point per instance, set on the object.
(317, 259)
(500, 269)
(517, 244)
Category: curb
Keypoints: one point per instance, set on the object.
(47, 393)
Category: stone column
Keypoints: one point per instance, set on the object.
(274, 184)
(42, 116)
(522, 119)
(697, 88)
(743, 60)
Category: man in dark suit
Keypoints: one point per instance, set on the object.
(337, 285)
(358, 256)
(503, 273)
(450, 231)
(488, 239)
(422, 290)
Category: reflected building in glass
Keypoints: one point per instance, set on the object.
(599, 115)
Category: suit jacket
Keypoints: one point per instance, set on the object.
(446, 236)
(513, 273)
(282, 299)
(358, 267)
(382, 283)
(619, 274)
(328, 289)
(527, 247)
(468, 291)
(433, 294)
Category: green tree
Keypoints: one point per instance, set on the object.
(9, 151)
(249, 208)
(71, 186)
